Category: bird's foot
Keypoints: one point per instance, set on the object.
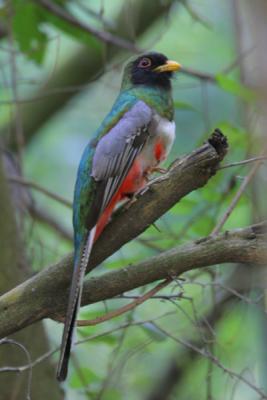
(144, 189)
(159, 170)
(132, 198)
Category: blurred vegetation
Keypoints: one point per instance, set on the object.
(38, 46)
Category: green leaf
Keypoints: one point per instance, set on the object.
(183, 106)
(234, 87)
(236, 136)
(76, 382)
(185, 206)
(26, 27)
(113, 394)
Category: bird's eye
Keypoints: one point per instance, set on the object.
(145, 63)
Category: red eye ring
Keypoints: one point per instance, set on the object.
(145, 63)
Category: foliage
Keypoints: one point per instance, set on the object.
(128, 362)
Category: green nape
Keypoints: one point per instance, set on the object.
(156, 97)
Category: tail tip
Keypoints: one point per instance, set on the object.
(62, 373)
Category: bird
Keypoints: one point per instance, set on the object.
(129, 145)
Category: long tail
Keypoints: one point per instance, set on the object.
(80, 265)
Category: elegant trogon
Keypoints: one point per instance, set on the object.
(133, 139)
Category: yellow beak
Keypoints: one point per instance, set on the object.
(169, 66)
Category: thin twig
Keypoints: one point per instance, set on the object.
(208, 77)
(241, 190)
(241, 56)
(125, 308)
(43, 216)
(212, 358)
(49, 353)
(179, 295)
(198, 74)
(97, 15)
(41, 189)
(195, 16)
(243, 162)
(104, 36)
(22, 347)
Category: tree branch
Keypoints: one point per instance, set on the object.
(39, 188)
(43, 216)
(90, 62)
(102, 35)
(239, 193)
(45, 294)
(247, 245)
(126, 308)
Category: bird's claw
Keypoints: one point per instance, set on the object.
(131, 201)
(159, 170)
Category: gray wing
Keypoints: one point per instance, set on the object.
(117, 150)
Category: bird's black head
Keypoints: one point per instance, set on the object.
(153, 69)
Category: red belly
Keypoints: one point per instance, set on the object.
(134, 181)
(159, 151)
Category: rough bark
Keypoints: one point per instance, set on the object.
(247, 245)
(50, 287)
(45, 294)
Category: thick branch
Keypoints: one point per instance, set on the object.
(46, 292)
(246, 245)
